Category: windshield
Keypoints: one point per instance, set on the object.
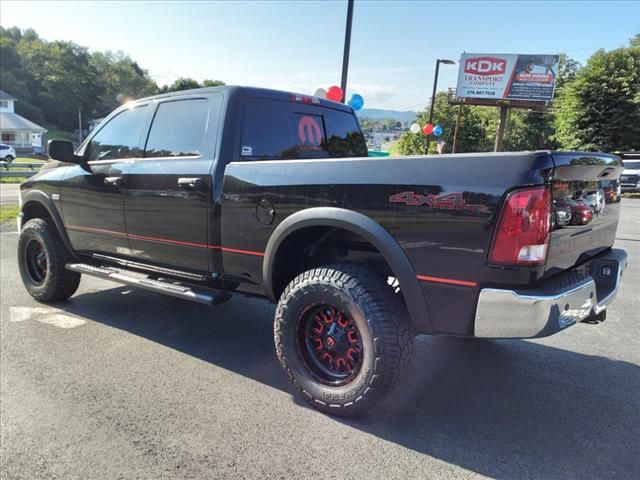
(631, 164)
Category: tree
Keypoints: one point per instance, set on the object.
(121, 78)
(189, 83)
(60, 78)
(212, 83)
(52, 80)
(473, 129)
(599, 109)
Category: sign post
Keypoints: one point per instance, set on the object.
(455, 133)
(502, 123)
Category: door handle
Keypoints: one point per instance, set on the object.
(191, 183)
(115, 181)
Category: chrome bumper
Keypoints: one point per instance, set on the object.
(558, 304)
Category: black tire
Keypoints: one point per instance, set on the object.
(384, 330)
(9, 159)
(41, 259)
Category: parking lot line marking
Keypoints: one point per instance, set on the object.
(48, 316)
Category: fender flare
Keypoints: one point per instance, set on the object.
(368, 229)
(42, 199)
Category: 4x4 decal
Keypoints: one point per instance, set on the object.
(447, 201)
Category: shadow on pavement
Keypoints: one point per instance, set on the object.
(505, 409)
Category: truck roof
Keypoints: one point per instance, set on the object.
(248, 92)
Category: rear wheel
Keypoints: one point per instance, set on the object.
(343, 337)
(9, 158)
(41, 259)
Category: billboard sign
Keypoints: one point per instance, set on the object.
(509, 76)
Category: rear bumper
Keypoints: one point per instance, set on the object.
(560, 302)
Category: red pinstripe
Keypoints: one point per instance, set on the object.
(148, 238)
(451, 281)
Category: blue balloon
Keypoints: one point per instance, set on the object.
(437, 130)
(356, 101)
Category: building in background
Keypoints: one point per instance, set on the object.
(15, 130)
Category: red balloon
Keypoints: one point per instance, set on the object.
(335, 93)
(427, 129)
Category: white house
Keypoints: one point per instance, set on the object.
(17, 131)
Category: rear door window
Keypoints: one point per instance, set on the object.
(274, 129)
(178, 129)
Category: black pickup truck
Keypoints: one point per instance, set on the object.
(206, 193)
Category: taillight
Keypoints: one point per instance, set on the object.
(523, 229)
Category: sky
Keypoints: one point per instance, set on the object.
(298, 45)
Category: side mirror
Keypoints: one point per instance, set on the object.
(63, 151)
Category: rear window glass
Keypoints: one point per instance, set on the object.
(344, 138)
(178, 129)
(274, 129)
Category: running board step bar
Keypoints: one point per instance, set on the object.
(192, 293)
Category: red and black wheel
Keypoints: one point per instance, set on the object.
(41, 259)
(343, 337)
(330, 344)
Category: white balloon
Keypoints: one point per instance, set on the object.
(320, 93)
(414, 128)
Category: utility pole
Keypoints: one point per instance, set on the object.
(433, 95)
(347, 48)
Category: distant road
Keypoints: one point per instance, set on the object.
(9, 193)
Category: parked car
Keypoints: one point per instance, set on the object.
(630, 178)
(581, 213)
(206, 193)
(612, 191)
(561, 215)
(7, 153)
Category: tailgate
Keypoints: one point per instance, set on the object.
(588, 185)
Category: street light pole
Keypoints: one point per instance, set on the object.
(433, 95)
(347, 47)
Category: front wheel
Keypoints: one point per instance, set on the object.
(344, 338)
(41, 259)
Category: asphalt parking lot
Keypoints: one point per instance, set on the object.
(119, 383)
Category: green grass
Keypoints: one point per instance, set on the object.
(12, 179)
(54, 134)
(28, 160)
(8, 212)
(394, 149)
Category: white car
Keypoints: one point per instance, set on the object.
(630, 178)
(7, 153)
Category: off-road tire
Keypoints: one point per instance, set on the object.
(58, 283)
(381, 317)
